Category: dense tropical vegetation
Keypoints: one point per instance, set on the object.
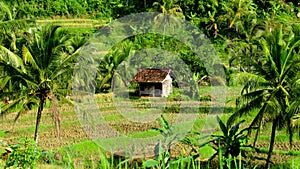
(258, 43)
(270, 90)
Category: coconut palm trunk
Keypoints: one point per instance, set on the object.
(274, 124)
(38, 120)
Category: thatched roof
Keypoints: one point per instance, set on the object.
(151, 75)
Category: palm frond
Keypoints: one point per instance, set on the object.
(63, 66)
(294, 109)
(267, 108)
(259, 116)
(290, 53)
(13, 105)
(28, 58)
(3, 81)
(15, 25)
(289, 69)
(252, 94)
(244, 77)
(12, 58)
(245, 107)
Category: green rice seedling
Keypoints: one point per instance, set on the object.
(69, 161)
(184, 162)
(2, 163)
(294, 163)
(104, 162)
(2, 134)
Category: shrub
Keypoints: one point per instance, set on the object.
(205, 98)
(24, 154)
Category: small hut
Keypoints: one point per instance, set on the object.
(154, 82)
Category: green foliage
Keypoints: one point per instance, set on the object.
(58, 7)
(2, 134)
(205, 98)
(227, 146)
(163, 147)
(38, 74)
(272, 84)
(231, 140)
(162, 158)
(176, 95)
(24, 154)
(98, 8)
(254, 51)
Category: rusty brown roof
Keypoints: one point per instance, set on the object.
(151, 75)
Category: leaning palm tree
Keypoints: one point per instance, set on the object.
(271, 88)
(36, 76)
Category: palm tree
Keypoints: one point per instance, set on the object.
(167, 8)
(243, 48)
(109, 64)
(271, 88)
(36, 75)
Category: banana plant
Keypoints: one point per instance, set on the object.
(162, 149)
(230, 143)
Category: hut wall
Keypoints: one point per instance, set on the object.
(167, 86)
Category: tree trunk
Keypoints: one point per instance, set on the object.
(257, 133)
(268, 164)
(38, 120)
(290, 129)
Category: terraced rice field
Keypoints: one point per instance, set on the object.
(73, 133)
(74, 23)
